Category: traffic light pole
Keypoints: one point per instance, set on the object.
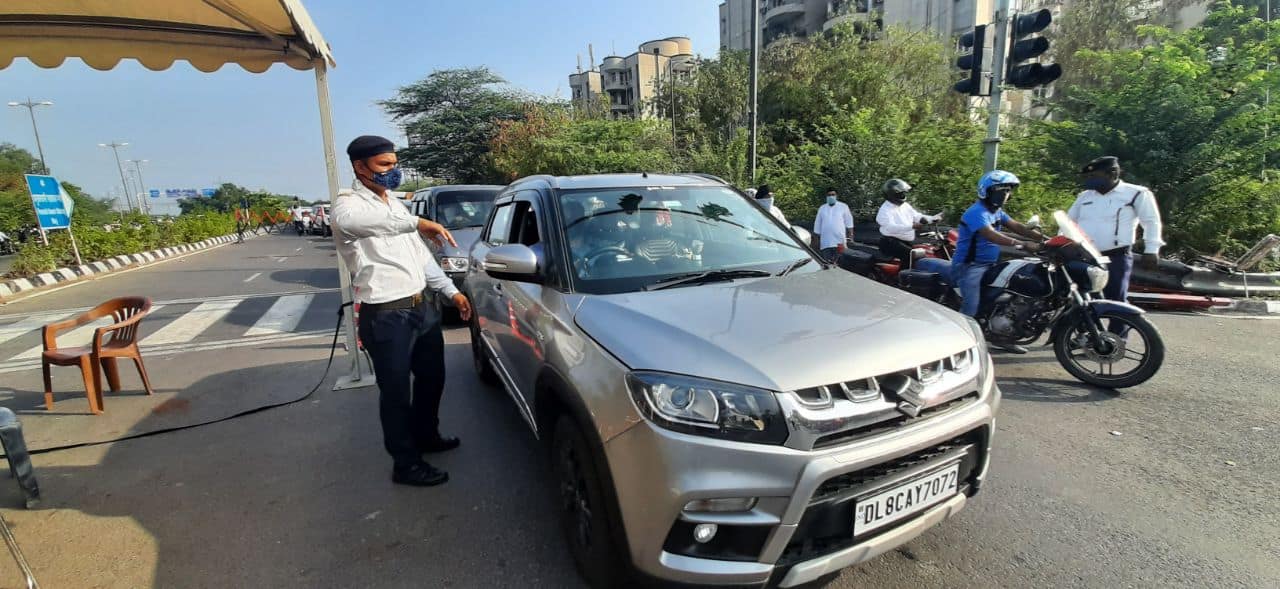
(992, 142)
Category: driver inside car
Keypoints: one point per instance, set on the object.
(654, 239)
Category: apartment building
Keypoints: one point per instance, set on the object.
(627, 85)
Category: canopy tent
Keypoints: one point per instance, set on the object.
(254, 34)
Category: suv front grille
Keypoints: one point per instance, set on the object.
(874, 429)
(827, 523)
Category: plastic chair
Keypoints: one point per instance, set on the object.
(121, 341)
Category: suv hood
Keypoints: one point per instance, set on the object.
(785, 333)
(466, 237)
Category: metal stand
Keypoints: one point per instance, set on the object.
(15, 450)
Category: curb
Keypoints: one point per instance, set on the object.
(9, 288)
(1249, 307)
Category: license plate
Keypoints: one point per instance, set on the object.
(902, 501)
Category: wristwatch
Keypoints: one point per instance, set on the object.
(1018, 246)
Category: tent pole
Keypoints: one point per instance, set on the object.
(361, 374)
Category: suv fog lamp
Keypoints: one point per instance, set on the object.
(703, 533)
(720, 505)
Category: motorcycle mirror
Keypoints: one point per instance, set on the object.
(1034, 222)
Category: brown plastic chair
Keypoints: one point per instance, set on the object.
(121, 343)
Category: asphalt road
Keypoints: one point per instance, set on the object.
(1170, 484)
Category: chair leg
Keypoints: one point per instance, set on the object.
(113, 373)
(142, 371)
(48, 387)
(89, 371)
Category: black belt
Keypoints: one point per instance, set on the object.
(409, 302)
(1119, 250)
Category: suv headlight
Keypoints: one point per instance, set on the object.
(454, 264)
(708, 408)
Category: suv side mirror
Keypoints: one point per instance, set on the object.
(514, 261)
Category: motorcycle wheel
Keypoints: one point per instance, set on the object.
(1130, 341)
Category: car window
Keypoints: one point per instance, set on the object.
(624, 239)
(460, 209)
(500, 230)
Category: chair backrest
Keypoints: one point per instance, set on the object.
(123, 309)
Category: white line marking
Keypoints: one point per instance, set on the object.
(16, 330)
(282, 317)
(252, 277)
(189, 301)
(189, 325)
(282, 259)
(298, 250)
(80, 336)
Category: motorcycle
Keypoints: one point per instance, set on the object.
(1103, 343)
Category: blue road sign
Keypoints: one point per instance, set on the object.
(208, 191)
(155, 193)
(46, 197)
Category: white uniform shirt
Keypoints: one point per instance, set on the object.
(1111, 220)
(832, 224)
(380, 244)
(296, 213)
(898, 220)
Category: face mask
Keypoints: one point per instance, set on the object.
(898, 199)
(766, 202)
(831, 200)
(389, 179)
(997, 199)
(1095, 183)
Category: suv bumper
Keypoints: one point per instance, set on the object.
(787, 538)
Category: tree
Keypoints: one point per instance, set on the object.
(229, 197)
(15, 201)
(549, 140)
(1103, 25)
(1187, 115)
(450, 118)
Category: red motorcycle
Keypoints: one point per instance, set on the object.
(936, 243)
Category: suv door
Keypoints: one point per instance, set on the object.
(522, 340)
(488, 298)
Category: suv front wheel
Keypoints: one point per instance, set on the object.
(582, 508)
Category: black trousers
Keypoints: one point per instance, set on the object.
(403, 342)
(896, 248)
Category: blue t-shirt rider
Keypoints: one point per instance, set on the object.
(978, 246)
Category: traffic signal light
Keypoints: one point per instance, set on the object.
(1026, 47)
(975, 61)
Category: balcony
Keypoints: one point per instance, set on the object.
(614, 84)
(782, 11)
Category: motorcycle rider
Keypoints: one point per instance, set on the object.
(899, 221)
(978, 247)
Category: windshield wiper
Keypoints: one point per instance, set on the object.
(794, 265)
(705, 277)
(467, 226)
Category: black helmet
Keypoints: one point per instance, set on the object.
(895, 188)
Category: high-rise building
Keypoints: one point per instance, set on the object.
(628, 85)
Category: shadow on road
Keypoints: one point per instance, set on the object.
(313, 277)
(299, 496)
(1049, 390)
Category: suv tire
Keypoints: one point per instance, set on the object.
(479, 360)
(583, 514)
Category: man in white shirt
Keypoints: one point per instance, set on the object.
(1109, 212)
(764, 197)
(379, 240)
(295, 214)
(899, 220)
(834, 226)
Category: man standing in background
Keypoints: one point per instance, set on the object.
(834, 226)
(1109, 212)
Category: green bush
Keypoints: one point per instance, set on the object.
(138, 234)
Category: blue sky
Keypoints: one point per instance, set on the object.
(263, 131)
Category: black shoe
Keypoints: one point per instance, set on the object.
(439, 445)
(1011, 348)
(419, 475)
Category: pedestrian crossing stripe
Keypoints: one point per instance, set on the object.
(215, 323)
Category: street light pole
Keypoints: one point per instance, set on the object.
(142, 185)
(754, 65)
(31, 109)
(115, 148)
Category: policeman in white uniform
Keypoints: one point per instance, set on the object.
(1110, 211)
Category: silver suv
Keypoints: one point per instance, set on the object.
(721, 407)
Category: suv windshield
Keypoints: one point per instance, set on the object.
(625, 239)
(457, 209)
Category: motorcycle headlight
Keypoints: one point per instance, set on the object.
(454, 264)
(1097, 278)
(708, 408)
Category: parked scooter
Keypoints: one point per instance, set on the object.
(1103, 343)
